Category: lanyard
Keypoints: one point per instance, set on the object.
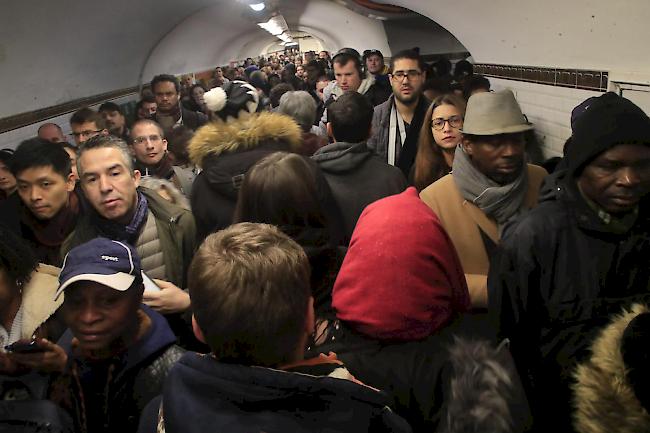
(395, 122)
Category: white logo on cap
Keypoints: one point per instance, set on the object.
(110, 258)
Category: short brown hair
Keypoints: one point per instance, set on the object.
(249, 286)
(85, 114)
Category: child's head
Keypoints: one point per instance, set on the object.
(251, 298)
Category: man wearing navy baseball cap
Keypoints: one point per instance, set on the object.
(119, 351)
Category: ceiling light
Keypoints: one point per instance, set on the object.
(257, 7)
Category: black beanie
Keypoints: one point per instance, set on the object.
(635, 348)
(609, 120)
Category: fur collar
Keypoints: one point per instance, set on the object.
(219, 137)
(604, 400)
(38, 298)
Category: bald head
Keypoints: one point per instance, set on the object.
(51, 132)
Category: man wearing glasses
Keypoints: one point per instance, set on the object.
(86, 124)
(396, 123)
(149, 147)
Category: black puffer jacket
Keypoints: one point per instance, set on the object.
(225, 151)
(559, 275)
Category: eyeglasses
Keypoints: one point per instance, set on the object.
(86, 133)
(145, 138)
(411, 74)
(439, 123)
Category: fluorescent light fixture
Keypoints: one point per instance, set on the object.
(285, 37)
(257, 7)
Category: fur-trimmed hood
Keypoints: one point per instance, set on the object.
(486, 392)
(218, 137)
(604, 399)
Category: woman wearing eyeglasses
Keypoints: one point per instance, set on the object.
(439, 136)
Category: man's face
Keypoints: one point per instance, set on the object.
(374, 63)
(322, 55)
(7, 180)
(618, 178)
(114, 121)
(166, 96)
(347, 76)
(44, 191)
(499, 157)
(320, 86)
(147, 110)
(51, 133)
(218, 73)
(81, 132)
(148, 145)
(407, 80)
(108, 184)
(300, 72)
(100, 317)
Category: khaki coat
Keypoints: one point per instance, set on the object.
(462, 220)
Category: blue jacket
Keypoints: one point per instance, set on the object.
(109, 395)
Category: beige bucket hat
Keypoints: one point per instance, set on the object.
(492, 113)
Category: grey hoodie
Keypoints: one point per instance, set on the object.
(357, 178)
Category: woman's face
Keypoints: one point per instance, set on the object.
(197, 94)
(449, 136)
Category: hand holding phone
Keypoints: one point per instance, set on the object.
(38, 354)
(24, 346)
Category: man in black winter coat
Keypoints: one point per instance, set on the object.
(578, 257)
(355, 174)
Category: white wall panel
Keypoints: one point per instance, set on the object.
(548, 107)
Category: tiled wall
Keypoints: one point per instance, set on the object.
(548, 108)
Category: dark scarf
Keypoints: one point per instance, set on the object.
(410, 147)
(53, 232)
(163, 170)
(129, 233)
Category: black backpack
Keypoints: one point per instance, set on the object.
(24, 409)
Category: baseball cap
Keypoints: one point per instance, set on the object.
(111, 263)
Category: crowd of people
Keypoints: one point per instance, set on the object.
(327, 243)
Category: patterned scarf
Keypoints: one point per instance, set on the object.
(501, 202)
(130, 232)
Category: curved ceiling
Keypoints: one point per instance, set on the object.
(54, 52)
(197, 43)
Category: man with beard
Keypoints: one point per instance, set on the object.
(396, 123)
(490, 185)
(170, 113)
(115, 120)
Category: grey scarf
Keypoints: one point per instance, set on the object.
(501, 202)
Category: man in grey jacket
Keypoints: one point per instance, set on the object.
(396, 123)
(356, 176)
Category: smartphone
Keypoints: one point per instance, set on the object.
(24, 347)
(149, 284)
